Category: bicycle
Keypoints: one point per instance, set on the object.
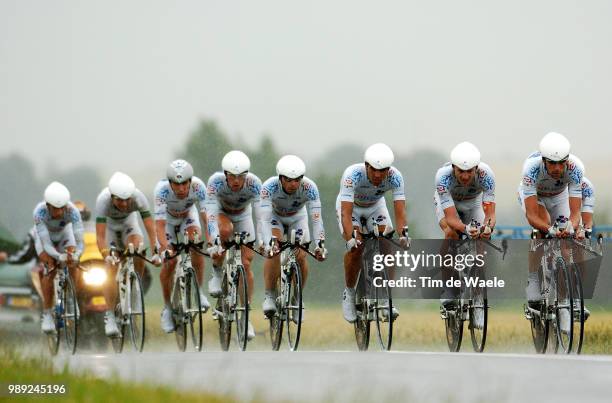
(130, 310)
(65, 311)
(556, 296)
(289, 300)
(472, 302)
(379, 306)
(185, 296)
(233, 304)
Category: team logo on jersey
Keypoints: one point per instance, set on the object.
(571, 165)
(527, 181)
(265, 193)
(348, 182)
(482, 173)
(441, 189)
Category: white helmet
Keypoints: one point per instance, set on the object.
(465, 156)
(379, 156)
(554, 147)
(121, 185)
(179, 171)
(57, 195)
(236, 162)
(290, 166)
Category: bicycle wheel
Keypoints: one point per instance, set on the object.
(294, 306)
(453, 323)
(70, 314)
(53, 339)
(117, 342)
(564, 306)
(137, 312)
(478, 316)
(193, 314)
(241, 307)
(538, 318)
(383, 314)
(362, 324)
(223, 314)
(579, 316)
(276, 320)
(180, 330)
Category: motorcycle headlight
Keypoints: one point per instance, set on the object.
(94, 276)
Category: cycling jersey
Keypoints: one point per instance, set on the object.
(167, 204)
(537, 181)
(275, 202)
(105, 209)
(220, 198)
(449, 190)
(355, 187)
(53, 232)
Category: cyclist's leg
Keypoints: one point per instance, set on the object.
(226, 230)
(132, 234)
(352, 258)
(110, 289)
(272, 269)
(244, 223)
(449, 233)
(535, 257)
(191, 225)
(166, 273)
(300, 225)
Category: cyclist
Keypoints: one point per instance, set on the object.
(550, 191)
(117, 209)
(229, 197)
(175, 212)
(465, 191)
(361, 199)
(59, 239)
(284, 201)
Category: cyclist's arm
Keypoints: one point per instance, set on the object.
(489, 210)
(534, 219)
(45, 240)
(575, 204)
(266, 211)
(587, 220)
(212, 210)
(346, 216)
(452, 219)
(149, 225)
(314, 208)
(101, 236)
(399, 206)
(77, 230)
(160, 209)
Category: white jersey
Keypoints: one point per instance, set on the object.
(48, 227)
(275, 200)
(166, 201)
(105, 209)
(221, 198)
(449, 189)
(537, 181)
(355, 187)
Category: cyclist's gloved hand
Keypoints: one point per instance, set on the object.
(405, 241)
(320, 250)
(63, 257)
(352, 243)
(111, 260)
(216, 249)
(156, 259)
(471, 231)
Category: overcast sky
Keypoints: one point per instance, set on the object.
(118, 84)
